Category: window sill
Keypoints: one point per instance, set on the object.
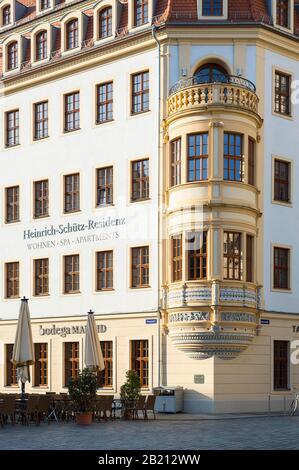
(98, 291)
(75, 211)
(132, 114)
(133, 201)
(281, 290)
(100, 123)
(7, 147)
(282, 203)
(41, 217)
(72, 292)
(140, 287)
(9, 222)
(38, 296)
(69, 131)
(103, 206)
(289, 117)
(38, 139)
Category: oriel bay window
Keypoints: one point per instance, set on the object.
(140, 180)
(282, 170)
(41, 49)
(232, 256)
(140, 92)
(104, 274)
(71, 274)
(175, 162)
(41, 276)
(12, 204)
(72, 34)
(281, 363)
(281, 267)
(140, 267)
(177, 257)
(72, 112)
(41, 199)
(104, 102)
(12, 278)
(71, 362)
(12, 128)
(10, 369)
(41, 365)
(282, 93)
(233, 157)
(104, 186)
(105, 26)
(105, 377)
(41, 120)
(196, 251)
(72, 193)
(197, 157)
(140, 360)
(283, 13)
(140, 12)
(212, 7)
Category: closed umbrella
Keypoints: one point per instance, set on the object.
(23, 351)
(93, 352)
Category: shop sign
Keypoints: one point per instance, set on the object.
(64, 331)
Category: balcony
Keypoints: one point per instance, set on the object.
(232, 92)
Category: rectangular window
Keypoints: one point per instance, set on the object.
(212, 7)
(44, 4)
(12, 128)
(71, 362)
(196, 247)
(71, 274)
(177, 252)
(72, 193)
(140, 360)
(104, 102)
(6, 15)
(249, 257)
(41, 276)
(175, 170)
(140, 92)
(140, 180)
(104, 272)
(282, 13)
(251, 161)
(105, 186)
(232, 251)
(140, 267)
(282, 93)
(41, 199)
(233, 156)
(281, 365)
(197, 157)
(72, 112)
(105, 377)
(140, 12)
(41, 120)
(41, 365)
(281, 268)
(12, 204)
(282, 180)
(11, 370)
(12, 275)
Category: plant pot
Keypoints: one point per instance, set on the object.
(84, 419)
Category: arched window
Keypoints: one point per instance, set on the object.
(72, 34)
(12, 56)
(211, 73)
(6, 15)
(140, 12)
(105, 27)
(41, 46)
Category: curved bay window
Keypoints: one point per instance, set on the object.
(140, 12)
(72, 34)
(12, 56)
(211, 73)
(6, 16)
(105, 26)
(41, 46)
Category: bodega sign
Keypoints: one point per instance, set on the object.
(64, 331)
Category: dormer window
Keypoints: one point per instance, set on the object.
(6, 16)
(44, 4)
(105, 26)
(283, 13)
(12, 56)
(72, 34)
(212, 7)
(41, 46)
(140, 12)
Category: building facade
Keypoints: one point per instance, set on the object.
(148, 172)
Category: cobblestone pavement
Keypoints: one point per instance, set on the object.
(243, 433)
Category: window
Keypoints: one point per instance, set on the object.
(12, 56)
(282, 13)
(251, 161)
(72, 34)
(104, 274)
(249, 257)
(105, 377)
(41, 120)
(12, 203)
(233, 158)
(282, 94)
(197, 157)
(140, 180)
(212, 7)
(281, 365)
(232, 262)
(6, 17)
(41, 199)
(44, 4)
(41, 277)
(12, 128)
(71, 274)
(177, 251)
(140, 92)
(71, 362)
(105, 26)
(105, 186)
(12, 280)
(211, 73)
(72, 193)
(104, 102)
(281, 268)
(139, 360)
(175, 170)
(41, 365)
(196, 247)
(41, 50)
(72, 112)
(11, 370)
(140, 267)
(282, 180)
(140, 12)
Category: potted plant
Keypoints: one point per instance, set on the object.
(130, 393)
(82, 392)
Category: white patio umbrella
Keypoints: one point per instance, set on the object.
(93, 352)
(23, 350)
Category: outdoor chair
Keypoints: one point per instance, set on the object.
(139, 407)
(103, 404)
(150, 406)
(43, 406)
(30, 412)
(8, 409)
